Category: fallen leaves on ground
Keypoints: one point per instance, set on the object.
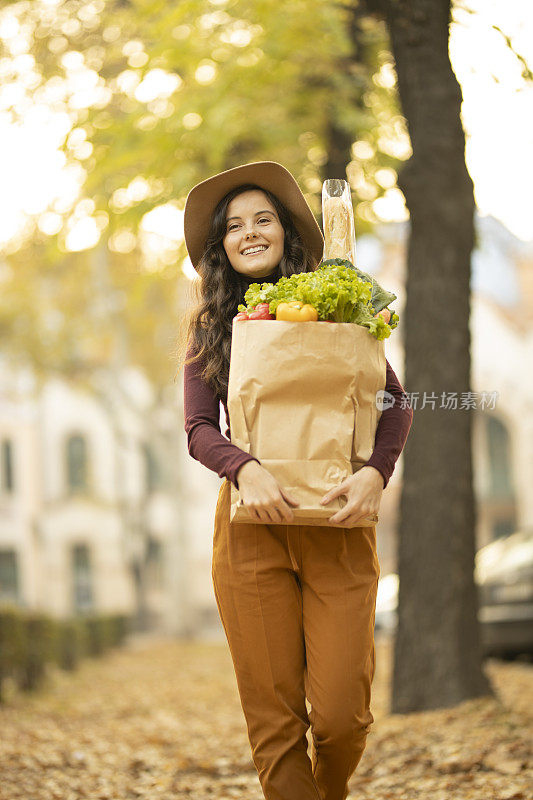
(479, 750)
(162, 719)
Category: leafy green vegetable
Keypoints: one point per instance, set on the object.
(380, 297)
(337, 291)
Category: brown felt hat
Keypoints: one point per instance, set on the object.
(205, 196)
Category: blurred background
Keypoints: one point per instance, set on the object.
(109, 113)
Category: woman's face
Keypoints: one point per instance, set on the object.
(254, 235)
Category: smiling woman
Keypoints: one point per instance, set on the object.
(249, 235)
(293, 599)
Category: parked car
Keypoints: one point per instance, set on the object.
(387, 602)
(504, 575)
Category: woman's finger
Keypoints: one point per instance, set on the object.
(289, 514)
(284, 507)
(267, 514)
(346, 523)
(289, 498)
(354, 519)
(275, 514)
(339, 490)
(349, 512)
(258, 514)
(286, 513)
(340, 516)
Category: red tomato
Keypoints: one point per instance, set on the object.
(242, 315)
(261, 312)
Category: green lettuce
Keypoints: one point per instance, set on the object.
(380, 298)
(337, 290)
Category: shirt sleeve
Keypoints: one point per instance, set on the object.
(392, 430)
(205, 441)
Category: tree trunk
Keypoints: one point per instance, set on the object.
(437, 658)
(357, 64)
(338, 146)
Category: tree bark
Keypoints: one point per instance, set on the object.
(357, 67)
(437, 657)
(338, 145)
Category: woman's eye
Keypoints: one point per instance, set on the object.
(235, 225)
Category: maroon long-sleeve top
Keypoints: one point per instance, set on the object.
(207, 445)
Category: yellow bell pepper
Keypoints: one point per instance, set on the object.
(295, 311)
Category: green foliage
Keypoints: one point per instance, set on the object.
(38, 649)
(121, 625)
(380, 298)
(11, 644)
(71, 643)
(336, 291)
(30, 640)
(253, 80)
(103, 632)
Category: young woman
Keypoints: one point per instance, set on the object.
(297, 602)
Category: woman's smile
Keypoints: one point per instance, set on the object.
(254, 251)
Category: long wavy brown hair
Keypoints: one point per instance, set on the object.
(205, 331)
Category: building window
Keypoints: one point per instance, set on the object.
(76, 463)
(6, 467)
(498, 501)
(504, 527)
(152, 469)
(499, 458)
(82, 579)
(9, 581)
(154, 563)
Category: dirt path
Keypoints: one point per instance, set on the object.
(162, 719)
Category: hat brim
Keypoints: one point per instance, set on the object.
(204, 197)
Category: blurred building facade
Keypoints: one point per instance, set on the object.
(89, 519)
(103, 510)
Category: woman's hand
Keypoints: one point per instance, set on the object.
(363, 491)
(262, 495)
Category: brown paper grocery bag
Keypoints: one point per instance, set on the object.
(302, 399)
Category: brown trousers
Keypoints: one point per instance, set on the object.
(298, 607)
